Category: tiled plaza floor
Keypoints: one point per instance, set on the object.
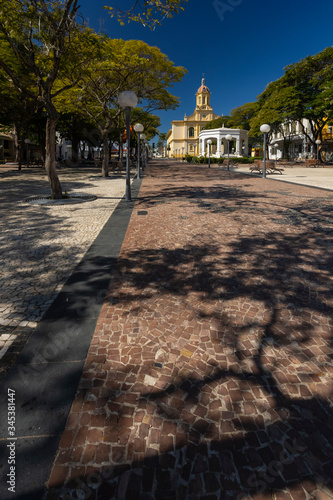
(210, 372)
(41, 245)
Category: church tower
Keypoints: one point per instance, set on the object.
(183, 137)
(203, 96)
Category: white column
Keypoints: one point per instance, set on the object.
(238, 145)
(202, 147)
(218, 151)
(223, 146)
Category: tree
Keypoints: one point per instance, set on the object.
(162, 138)
(122, 65)
(302, 92)
(149, 12)
(221, 121)
(41, 35)
(74, 127)
(240, 117)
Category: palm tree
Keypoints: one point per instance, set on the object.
(162, 137)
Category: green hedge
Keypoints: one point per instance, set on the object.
(202, 159)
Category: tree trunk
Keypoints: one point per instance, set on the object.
(75, 148)
(18, 146)
(50, 157)
(106, 153)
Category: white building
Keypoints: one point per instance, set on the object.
(292, 141)
(237, 147)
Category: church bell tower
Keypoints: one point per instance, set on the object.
(203, 96)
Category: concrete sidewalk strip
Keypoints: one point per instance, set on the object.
(209, 374)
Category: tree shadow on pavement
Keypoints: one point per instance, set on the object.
(216, 363)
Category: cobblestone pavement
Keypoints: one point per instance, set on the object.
(210, 373)
(41, 245)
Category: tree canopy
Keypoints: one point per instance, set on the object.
(47, 38)
(304, 91)
(148, 12)
(121, 65)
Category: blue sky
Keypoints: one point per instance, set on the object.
(240, 45)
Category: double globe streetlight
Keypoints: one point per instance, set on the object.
(318, 142)
(138, 127)
(128, 100)
(144, 151)
(265, 128)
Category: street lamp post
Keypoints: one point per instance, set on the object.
(318, 142)
(128, 100)
(143, 137)
(147, 151)
(229, 138)
(209, 142)
(138, 127)
(276, 151)
(265, 128)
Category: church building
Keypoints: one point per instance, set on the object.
(183, 137)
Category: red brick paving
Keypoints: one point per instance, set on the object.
(210, 372)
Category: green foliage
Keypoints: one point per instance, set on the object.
(244, 159)
(218, 123)
(205, 160)
(240, 117)
(304, 91)
(149, 13)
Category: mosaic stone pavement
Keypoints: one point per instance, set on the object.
(210, 373)
(41, 246)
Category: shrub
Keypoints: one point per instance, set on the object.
(244, 159)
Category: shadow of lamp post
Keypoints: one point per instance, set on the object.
(128, 100)
(265, 128)
(209, 142)
(229, 138)
(318, 142)
(138, 127)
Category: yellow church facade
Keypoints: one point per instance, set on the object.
(183, 137)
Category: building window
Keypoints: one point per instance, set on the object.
(203, 100)
(191, 132)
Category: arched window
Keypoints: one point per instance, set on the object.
(191, 132)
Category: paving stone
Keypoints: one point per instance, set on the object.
(202, 375)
